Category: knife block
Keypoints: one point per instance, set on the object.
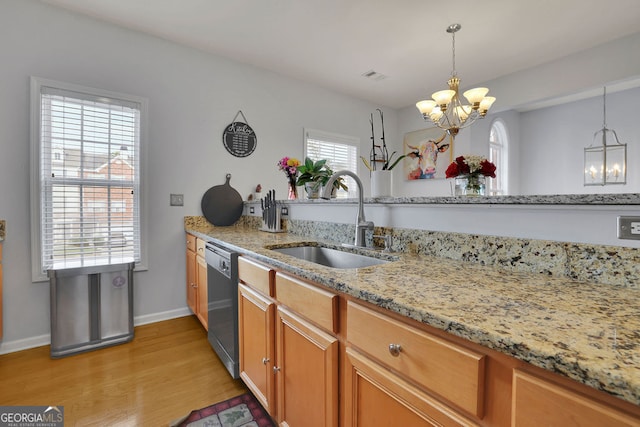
(277, 226)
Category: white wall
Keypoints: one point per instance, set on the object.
(553, 141)
(192, 96)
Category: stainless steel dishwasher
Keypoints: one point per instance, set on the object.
(222, 291)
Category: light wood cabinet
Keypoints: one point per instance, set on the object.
(539, 402)
(392, 356)
(306, 373)
(317, 358)
(202, 311)
(256, 314)
(377, 397)
(192, 291)
(288, 359)
(197, 279)
(256, 329)
(0, 290)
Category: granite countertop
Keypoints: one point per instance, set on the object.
(587, 332)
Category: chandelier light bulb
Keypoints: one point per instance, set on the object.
(485, 104)
(463, 111)
(443, 97)
(475, 96)
(426, 107)
(436, 114)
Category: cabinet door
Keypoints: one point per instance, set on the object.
(0, 290)
(306, 373)
(201, 287)
(256, 346)
(192, 291)
(377, 397)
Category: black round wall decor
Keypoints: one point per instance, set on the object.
(239, 139)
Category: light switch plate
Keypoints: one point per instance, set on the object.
(629, 227)
(176, 200)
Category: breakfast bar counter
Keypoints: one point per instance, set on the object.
(587, 332)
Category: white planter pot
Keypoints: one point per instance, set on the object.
(381, 183)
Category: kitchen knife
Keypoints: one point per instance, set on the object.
(270, 209)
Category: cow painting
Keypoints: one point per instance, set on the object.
(423, 156)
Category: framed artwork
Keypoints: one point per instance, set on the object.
(428, 153)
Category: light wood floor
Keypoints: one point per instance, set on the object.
(168, 370)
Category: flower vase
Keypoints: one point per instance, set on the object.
(293, 191)
(470, 185)
(381, 183)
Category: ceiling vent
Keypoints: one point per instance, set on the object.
(373, 75)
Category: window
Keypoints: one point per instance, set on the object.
(340, 151)
(86, 173)
(498, 144)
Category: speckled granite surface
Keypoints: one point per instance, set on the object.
(552, 199)
(611, 265)
(585, 331)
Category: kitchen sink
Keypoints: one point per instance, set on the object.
(330, 257)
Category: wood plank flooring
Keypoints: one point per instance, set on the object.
(168, 370)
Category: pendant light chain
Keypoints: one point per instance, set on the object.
(453, 72)
(604, 108)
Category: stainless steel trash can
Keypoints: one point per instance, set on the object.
(91, 308)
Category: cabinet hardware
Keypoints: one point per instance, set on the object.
(265, 360)
(276, 369)
(395, 349)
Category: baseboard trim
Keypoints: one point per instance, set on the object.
(40, 340)
(24, 344)
(159, 317)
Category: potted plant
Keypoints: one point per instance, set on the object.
(337, 184)
(314, 175)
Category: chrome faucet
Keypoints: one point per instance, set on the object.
(362, 225)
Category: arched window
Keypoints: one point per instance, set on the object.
(498, 149)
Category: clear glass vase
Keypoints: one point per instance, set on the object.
(313, 189)
(470, 185)
(293, 190)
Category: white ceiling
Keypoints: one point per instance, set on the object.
(331, 43)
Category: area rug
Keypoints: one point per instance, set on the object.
(239, 411)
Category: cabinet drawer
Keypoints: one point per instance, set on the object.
(379, 397)
(539, 402)
(451, 371)
(200, 247)
(191, 242)
(256, 275)
(317, 305)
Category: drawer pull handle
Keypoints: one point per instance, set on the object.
(395, 349)
(276, 370)
(265, 360)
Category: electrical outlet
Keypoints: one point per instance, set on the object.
(176, 200)
(284, 211)
(252, 210)
(629, 227)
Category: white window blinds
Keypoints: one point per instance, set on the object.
(89, 179)
(340, 151)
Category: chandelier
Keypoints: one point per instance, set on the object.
(446, 110)
(605, 164)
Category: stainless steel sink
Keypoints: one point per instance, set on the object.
(330, 257)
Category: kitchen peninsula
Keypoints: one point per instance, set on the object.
(584, 332)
